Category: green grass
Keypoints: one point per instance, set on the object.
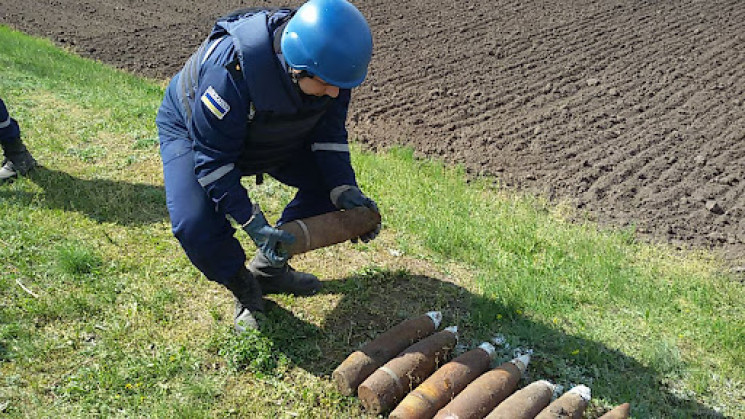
(102, 315)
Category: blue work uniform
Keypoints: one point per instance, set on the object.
(234, 111)
(9, 129)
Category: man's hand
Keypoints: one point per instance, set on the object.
(268, 238)
(348, 197)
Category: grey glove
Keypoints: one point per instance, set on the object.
(348, 197)
(268, 238)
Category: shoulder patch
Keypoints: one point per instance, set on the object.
(215, 103)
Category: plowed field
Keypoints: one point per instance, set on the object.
(633, 110)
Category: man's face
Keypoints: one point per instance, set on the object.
(315, 86)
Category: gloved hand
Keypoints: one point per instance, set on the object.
(348, 197)
(268, 238)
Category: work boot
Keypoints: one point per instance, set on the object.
(17, 161)
(283, 279)
(248, 300)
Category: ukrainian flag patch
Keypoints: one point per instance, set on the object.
(215, 103)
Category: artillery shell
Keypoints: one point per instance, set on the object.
(619, 412)
(486, 392)
(437, 390)
(525, 403)
(360, 364)
(381, 391)
(330, 228)
(570, 405)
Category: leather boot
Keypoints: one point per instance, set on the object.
(248, 300)
(282, 280)
(17, 161)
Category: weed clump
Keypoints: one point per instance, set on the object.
(254, 352)
(78, 261)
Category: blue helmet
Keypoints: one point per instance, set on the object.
(330, 39)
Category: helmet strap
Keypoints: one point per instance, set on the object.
(297, 75)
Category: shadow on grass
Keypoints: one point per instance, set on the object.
(4, 353)
(374, 302)
(102, 200)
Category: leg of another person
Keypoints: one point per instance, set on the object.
(17, 160)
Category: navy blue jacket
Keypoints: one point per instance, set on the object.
(225, 99)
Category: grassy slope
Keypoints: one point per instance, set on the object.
(119, 322)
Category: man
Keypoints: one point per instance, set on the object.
(16, 158)
(266, 93)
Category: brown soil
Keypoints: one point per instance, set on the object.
(633, 110)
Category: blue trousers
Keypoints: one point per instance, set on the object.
(206, 235)
(8, 126)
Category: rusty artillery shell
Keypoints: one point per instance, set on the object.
(437, 390)
(381, 391)
(622, 411)
(525, 403)
(330, 228)
(360, 364)
(486, 392)
(570, 405)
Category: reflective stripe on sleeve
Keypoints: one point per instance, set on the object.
(211, 48)
(5, 123)
(330, 147)
(215, 175)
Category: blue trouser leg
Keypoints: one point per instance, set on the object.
(312, 197)
(205, 235)
(9, 129)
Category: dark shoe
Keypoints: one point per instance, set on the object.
(11, 170)
(248, 299)
(282, 280)
(18, 156)
(17, 161)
